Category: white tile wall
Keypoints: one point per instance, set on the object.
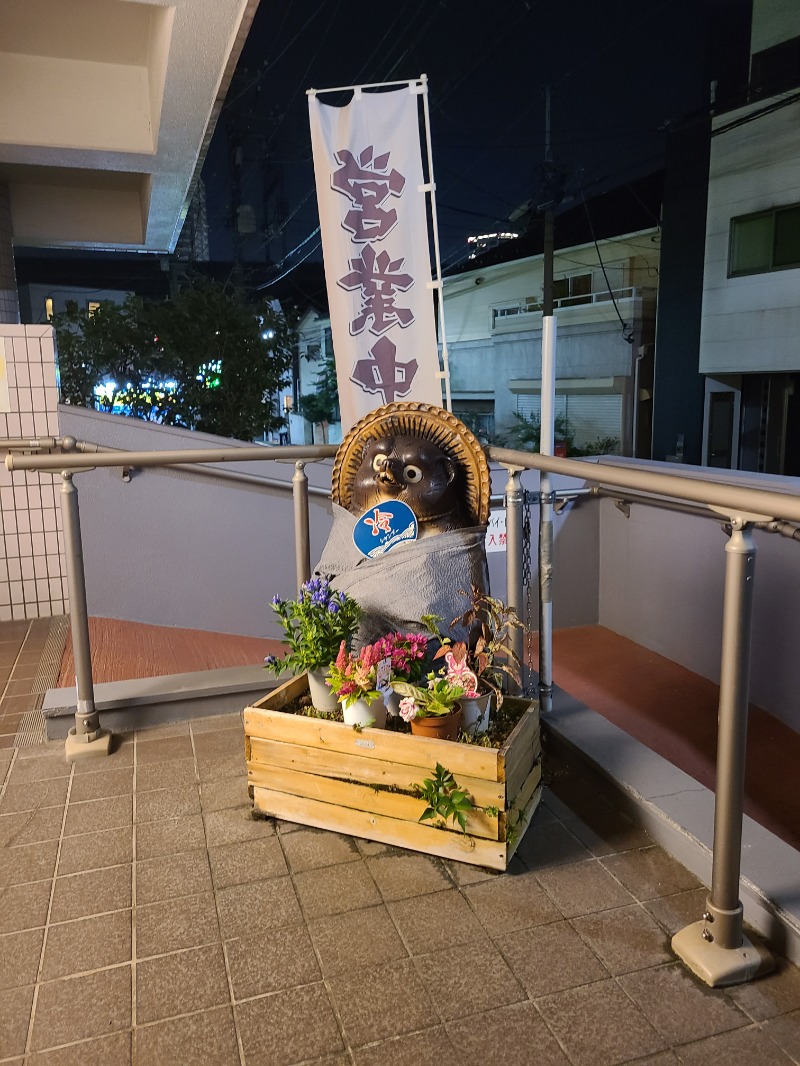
(33, 577)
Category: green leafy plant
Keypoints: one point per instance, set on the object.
(435, 699)
(445, 799)
(314, 626)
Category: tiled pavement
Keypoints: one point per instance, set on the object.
(146, 917)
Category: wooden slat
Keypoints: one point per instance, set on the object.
(361, 797)
(378, 827)
(524, 822)
(521, 756)
(334, 764)
(289, 691)
(469, 759)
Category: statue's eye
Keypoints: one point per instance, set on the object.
(379, 461)
(412, 474)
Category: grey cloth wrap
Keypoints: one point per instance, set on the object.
(412, 579)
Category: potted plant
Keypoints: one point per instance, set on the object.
(315, 625)
(432, 709)
(362, 680)
(482, 663)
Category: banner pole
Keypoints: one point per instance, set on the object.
(437, 283)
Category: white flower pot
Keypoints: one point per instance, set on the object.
(475, 712)
(322, 696)
(365, 714)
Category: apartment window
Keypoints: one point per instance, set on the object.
(48, 308)
(574, 290)
(92, 306)
(769, 240)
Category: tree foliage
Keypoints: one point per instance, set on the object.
(207, 359)
(322, 406)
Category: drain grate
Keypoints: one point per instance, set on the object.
(50, 662)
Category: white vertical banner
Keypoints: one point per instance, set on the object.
(372, 210)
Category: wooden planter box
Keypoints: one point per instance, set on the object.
(328, 775)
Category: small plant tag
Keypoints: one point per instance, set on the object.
(383, 672)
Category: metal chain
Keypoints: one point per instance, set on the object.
(527, 584)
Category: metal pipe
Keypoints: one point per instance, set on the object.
(735, 498)
(514, 547)
(546, 447)
(175, 458)
(302, 541)
(724, 908)
(87, 722)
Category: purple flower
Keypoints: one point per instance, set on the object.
(333, 607)
(270, 660)
(276, 601)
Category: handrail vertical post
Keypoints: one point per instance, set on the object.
(515, 500)
(302, 540)
(716, 948)
(86, 737)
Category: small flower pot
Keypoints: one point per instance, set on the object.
(438, 726)
(475, 710)
(365, 714)
(322, 696)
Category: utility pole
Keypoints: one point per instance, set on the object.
(547, 435)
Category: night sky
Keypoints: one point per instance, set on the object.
(619, 71)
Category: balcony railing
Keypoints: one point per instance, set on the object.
(516, 309)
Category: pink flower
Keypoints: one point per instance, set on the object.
(408, 709)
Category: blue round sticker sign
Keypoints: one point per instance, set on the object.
(382, 528)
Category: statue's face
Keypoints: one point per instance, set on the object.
(409, 469)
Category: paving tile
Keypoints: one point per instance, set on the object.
(626, 939)
(121, 755)
(675, 912)
(106, 996)
(582, 888)
(178, 1041)
(678, 1006)
(742, 1047)
(517, 1029)
(247, 909)
(283, 959)
(30, 827)
(464, 873)
(310, 849)
(219, 743)
(94, 892)
(38, 770)
(468, 979)
(550, 958)
(159, 804)
(777, 993)
(432, 1046)
(288, 1027)
(407, 874)
(370, 1012)
(598, 1024)
(15, 1013)
(335, 889)
(356, 940)
(661, 1058)
(113, 812)
(52, 793)
(28, 862)
(506, 903)
(227, 792)
(551, 845)
(170, 837)
(169, 876)
(87, 944)
(159, 732)
(114, 1050)
(237, 823)
(169, 774)
(94, 851)
(176, 924)
(102, 784)
(24, 906)
(785, 1031)
(181, 983)
(219, 767)
(162, 749)
(435, 922)
(247, 860)
(649, 873)
(19, 958)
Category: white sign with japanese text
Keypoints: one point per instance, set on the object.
(372, 210)
(496, 531)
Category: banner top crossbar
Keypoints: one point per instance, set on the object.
(423, 78)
